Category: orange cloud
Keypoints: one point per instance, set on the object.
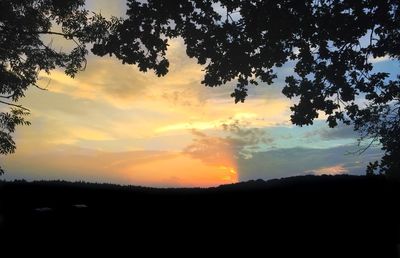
(211, 149)
(332, 170)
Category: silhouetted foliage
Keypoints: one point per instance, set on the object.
(331, 43)
(8, 121)
(24, 53)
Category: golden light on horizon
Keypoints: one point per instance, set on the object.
(229, 174)
(180, 170)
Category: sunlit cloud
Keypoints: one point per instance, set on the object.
(186, 126)
(332, 170)
(113, 123)
(83, 133)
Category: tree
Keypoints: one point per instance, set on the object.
(24, 53)
(331, 42)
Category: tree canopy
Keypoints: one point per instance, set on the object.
(331, 44)
(24, 53)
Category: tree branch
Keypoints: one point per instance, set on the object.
(14, 105)
(41, 88)
(7, 97)
(53, 33)
(364, 149)
(70, 37)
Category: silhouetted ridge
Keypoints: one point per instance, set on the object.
(333, 213)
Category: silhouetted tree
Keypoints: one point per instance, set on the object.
(331, 42)
(8, 121)
(24, 53)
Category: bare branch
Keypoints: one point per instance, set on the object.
(14, 105)
(41, 88)
(70, 37)
(53, 33)
(365, 148)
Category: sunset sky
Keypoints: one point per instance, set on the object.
(115, 124)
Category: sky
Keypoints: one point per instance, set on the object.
(115, 124)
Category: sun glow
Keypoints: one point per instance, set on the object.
(179, 170)
(229, 174)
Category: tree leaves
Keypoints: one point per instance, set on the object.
(330, 42)
(23, 52)
(8, 122)
(323, 38)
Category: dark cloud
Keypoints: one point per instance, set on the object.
(241, 142)
(186, 97)
(339, 132)
(247, 139)
(209, 149)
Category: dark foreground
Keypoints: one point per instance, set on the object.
(340, 216)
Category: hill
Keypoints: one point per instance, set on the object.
(344, 214)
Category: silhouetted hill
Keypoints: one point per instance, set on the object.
(323, 215)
